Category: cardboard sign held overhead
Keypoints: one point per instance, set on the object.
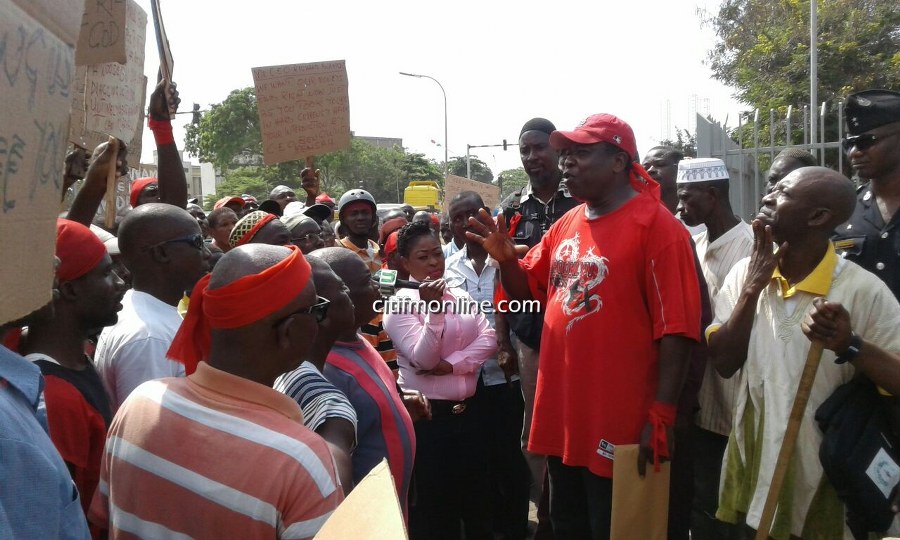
(38, 60)
(370, 512)
(102, 37)
(304, 109)
(109, 98)
(454, 185)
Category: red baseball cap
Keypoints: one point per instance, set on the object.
(229, 200)
(598, 128)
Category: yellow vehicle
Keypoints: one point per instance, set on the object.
(423, 195)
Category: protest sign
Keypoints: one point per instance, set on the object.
(109, 98)
(304, 109)
(370, 512)
(37, 56)
(454, 185)
(102, 37)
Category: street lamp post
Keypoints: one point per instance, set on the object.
(446, 154)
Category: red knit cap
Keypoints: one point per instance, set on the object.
(240, 303)
(138, 186)
(79, 250)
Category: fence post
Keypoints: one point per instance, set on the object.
(822, 133)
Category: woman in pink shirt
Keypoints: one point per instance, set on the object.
(442, 340)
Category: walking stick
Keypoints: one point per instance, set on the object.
(790, 438)
(111, 176)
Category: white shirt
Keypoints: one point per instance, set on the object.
(133, 351)
(771, 374)
(450, 248)
(717, 395)
(458, 268)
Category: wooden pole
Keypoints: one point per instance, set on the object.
(111, 176)
(790, 438)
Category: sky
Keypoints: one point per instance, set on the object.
(500, 62)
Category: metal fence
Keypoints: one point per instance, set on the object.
(759, 137)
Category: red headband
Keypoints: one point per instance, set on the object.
(243, 302)
(79, 250)
(642, 181)
(138, 186)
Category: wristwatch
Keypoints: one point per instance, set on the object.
(852, 350)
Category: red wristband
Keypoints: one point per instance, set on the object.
(162, 131)
(661, 415)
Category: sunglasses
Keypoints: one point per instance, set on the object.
(195, 240)
(308, 237)
(864, 141)
(319, 310)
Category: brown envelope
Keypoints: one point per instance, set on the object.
(640, 506)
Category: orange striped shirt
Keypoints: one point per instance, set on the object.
(213, 455)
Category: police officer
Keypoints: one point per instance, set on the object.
(871, 237)
(529, 213)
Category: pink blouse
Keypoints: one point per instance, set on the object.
(464, 339)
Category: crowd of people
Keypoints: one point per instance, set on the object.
(236, 373)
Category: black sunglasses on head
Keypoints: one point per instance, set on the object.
(195, 240)
(863, 142)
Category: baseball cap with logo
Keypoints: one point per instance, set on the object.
(598, 128)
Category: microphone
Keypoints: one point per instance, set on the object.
(388, 283)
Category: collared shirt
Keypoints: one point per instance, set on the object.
(481, 288)
(133, 351)
(450, 248)
(870, 242)
(369, 254)
(536, 215)
(717, 394)
(318, 398)
(37, 496)
(463, 338)
(776, 353)
(211, 454)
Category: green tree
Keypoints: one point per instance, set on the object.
(480, 170)
(365, 166)
(418, 167)
(239, 181)
(685, 142)
(762, 49)
(513, 180)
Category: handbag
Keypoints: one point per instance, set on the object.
(859, 454)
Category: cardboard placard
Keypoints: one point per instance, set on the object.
(110, 97)
(640, 506)
(38, 59)
(304, 109)
(454, 185)
(102, 37)
(370, 512)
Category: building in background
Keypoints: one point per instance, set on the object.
(202, 179)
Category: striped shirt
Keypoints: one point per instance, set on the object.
(318, 398)
(717, 395)
(385, 428)
(213, 456)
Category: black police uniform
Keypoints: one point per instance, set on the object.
(535, 220)
(870, 242)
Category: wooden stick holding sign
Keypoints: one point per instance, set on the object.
(790, 438)
(111, 176)
(309, 180)
(166, 62)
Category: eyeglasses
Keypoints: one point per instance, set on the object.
(195, 240)
(864, 141)
(319, 310)
(308, 237)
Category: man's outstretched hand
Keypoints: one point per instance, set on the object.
(494, 238)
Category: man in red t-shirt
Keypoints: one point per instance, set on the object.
(617, 279)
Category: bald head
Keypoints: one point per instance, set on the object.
(341, 260)
(827, 189)
(152, 223)
(247, 260)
